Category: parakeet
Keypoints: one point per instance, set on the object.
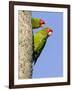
(40, 39)
(37, 22)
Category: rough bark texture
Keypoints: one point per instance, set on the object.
(25, 42)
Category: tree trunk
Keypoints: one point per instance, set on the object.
(25, 43)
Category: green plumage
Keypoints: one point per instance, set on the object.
(39, 42)
(35, 23)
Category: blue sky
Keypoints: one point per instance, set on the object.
(50, 62)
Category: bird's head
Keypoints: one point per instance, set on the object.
(42, 22)
(49, 31)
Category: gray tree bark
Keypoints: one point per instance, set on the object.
(25, 43)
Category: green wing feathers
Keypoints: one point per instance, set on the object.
(40, 37)
(35, 23)
(39, 43)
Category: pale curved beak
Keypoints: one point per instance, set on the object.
(42, 25)
(50, 33)
(42, 22)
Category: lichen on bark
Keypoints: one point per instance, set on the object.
(25, 43)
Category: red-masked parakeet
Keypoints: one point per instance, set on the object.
(37, 22)
(40, 39)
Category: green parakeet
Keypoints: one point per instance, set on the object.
(37, 22)
(40, 39)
